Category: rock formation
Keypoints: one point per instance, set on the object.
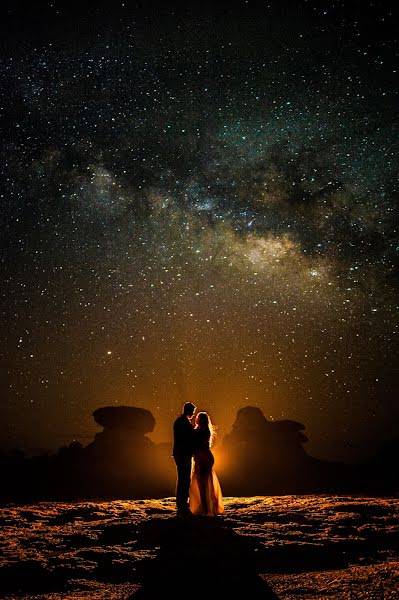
(264, 456)
(122, 459)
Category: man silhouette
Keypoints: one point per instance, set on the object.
(183, 437)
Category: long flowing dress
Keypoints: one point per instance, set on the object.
(205, 492)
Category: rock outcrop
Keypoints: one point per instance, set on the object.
(122, 459)
(262, 456)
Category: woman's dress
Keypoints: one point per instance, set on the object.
(205, 492)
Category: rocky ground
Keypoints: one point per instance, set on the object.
(263, 547)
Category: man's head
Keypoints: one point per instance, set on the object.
(189, 409)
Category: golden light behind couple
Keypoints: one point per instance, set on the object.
(198, 490)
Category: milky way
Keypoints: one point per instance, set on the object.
(200, 207)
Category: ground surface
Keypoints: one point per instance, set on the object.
(263, 547)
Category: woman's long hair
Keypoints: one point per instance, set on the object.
(203, 423)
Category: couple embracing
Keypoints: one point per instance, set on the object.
(198, 490)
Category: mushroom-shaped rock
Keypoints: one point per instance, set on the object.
(137, 420)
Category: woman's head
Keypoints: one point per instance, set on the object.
(203, 421)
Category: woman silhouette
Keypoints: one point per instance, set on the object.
(205, 492)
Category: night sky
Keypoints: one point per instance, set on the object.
(200, 204)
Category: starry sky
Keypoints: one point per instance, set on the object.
(200, 204)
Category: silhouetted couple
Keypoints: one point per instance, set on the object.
(198, 490)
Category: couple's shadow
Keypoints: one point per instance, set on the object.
(201, 557)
